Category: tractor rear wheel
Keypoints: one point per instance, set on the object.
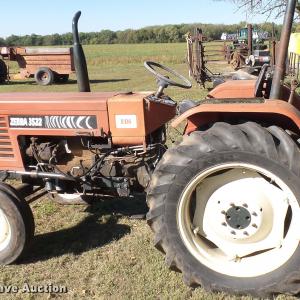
(16, 225)
(224, 207)
(44, 76)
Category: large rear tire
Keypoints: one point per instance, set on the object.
(224, 207)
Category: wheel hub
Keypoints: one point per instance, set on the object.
(44, 76)
(238, 217)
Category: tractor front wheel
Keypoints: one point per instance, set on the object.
(224, 207)
(16, 225)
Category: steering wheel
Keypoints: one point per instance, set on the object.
(259, 85)
(164, 81)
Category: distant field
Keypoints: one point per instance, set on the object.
(100, 252)
(120, 68)
(135, 53)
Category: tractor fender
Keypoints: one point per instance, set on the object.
(272, 112)
(234, 89)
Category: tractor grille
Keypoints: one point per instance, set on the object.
(6, 150)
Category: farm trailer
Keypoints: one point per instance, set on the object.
(46, 65)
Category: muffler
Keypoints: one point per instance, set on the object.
(79, 58)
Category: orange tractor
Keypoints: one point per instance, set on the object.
(224, 204)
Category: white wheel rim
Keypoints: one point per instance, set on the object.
(5, 231)
(257, 239)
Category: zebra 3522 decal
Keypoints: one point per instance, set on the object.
(53, 122)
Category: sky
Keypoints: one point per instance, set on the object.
(54, 16)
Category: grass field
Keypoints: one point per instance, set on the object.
(100, 252)
(120, 68)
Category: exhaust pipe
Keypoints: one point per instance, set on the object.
(250, 39)
(283, 50)
(79, 58)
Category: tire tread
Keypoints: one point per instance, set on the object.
(272, 143)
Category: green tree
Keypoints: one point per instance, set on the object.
(107, 37)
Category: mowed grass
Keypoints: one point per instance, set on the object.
(100, 252)
(119, 68)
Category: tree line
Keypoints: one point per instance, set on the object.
(152, 34)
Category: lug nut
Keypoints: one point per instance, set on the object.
(245, 205)
(233, 232)
(224, 224)
(246, 233)
(254, 214)
(254, 225)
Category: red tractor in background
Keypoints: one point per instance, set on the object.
(224, 204)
